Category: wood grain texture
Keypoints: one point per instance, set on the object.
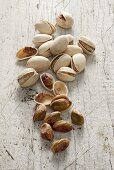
(92, 147)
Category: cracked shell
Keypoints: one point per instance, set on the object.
(47, 81)
(25, 53)
(44, 49)
(39, 63)
(86, 44)
(60, 61)
(45, 27)
(66, 74)
(27, 77)
(43, 98)
(73, 49)
(39, 39)
(60, 88)
(65, 20)
(78, 62)
(59, 45)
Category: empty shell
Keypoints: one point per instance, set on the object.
(43, 98)
(60, 88)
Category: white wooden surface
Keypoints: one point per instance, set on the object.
(92, 147)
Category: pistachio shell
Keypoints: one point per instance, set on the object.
(59, 45)
(73, 49)
(60, 103)
(78, 62)
(65, 20)
(70, 38)
(39, 63)
(66, 74)
(45, 27)
(47, 81)
(28, 77)
(25, 53)
(60, 61)
(43, 98)
(44, 49)
(60, 88)
(86, 44)
(39, 39)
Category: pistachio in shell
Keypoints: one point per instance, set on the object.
(70, 39)
(25, 53)
(40, 113)
(59, 88)
(44, 49)
(73, 49)
(47, 81)
(76, 117)
(47, 132)
(52, 117)
(43, 98)
(60, 103)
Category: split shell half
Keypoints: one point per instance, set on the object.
(60, 88)
(43, 98)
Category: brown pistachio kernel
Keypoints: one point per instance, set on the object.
(52, 117)
(47, 132)
(60, 145)
(76, 117)
(62, 126)
(40, 113)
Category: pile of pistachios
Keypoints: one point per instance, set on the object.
(68, 60)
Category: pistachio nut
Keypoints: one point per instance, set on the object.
(65, 20)
(76, 117)
(52, 117)
(73, 49)
(44, 49)
(70, 38)
(59, 61)
(62, 126)
(25, 53)
(60, 103)
(39, 63)
(59, 45)
(66, 74)
(47, 132)
(78, 62)
(40, 112)
(47, 81)
(45, 27)
(60, 88)
(39, 39)
(86, 44)
(43, 98)
(60, 145)
(28, 77)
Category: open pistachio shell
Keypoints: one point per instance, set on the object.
(45, 27)
(47, 81)
(43, 98)
(60, 61)
(25, 53)
(60, 88)
(39, 39)
(73, 49)
(44, 49)
(66, 74)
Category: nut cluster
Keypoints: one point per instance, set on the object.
(68, 60)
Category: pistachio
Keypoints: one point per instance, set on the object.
(47, 132)
(70, 38)
(44, 49)
(39, 63)
(60, 61)
(60, 145)
(47, 81)
(76, 117)
(25, 53)
(78, 62)
(62, 126)
(65, 20)
(86, 44)
(66, 74)
(45, 27)
(43, 98)
(28, 77)
(52, 117)
(39, 39)
(40, 113)
(59, 45)
(60, 88)
(60, 103)
(73, 49)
